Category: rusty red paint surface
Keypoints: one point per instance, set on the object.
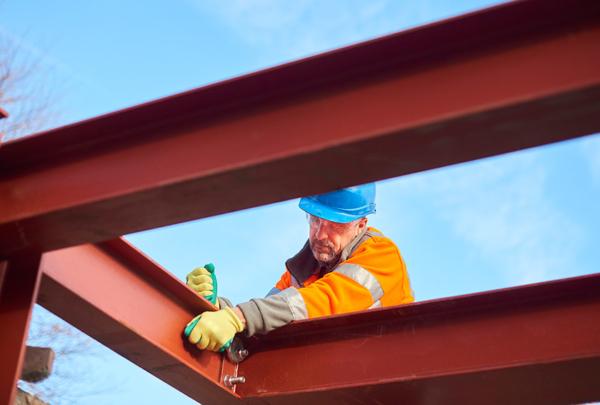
(531, 344)
(515, 76)
(19, 284)
(121, 298)
(538, 343)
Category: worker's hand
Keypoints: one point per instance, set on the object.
(204, 281)
(214, 330)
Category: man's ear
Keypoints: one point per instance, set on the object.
(362, 224)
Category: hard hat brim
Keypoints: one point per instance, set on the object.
(313, 207)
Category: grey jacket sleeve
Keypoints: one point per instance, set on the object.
(224, 303)
(265, 314)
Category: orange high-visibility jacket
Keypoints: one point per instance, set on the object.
(370, 273)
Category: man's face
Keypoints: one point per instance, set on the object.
(328, 239)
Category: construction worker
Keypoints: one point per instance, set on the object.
(344, 266)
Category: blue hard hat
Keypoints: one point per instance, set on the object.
(344, 205)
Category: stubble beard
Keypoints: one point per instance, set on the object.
(323, 252)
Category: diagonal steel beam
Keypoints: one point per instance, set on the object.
(515, 76)
(536, 344)
(121, 298)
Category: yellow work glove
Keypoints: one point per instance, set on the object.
(204, 281)
(214, 330)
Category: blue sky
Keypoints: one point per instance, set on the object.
(519, 218)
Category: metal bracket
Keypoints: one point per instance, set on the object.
(236, 352)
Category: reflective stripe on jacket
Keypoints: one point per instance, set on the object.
(370, 273)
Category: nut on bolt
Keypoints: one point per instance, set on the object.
(230, 380)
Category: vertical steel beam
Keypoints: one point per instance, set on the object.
(19, 284)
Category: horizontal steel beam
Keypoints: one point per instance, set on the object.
(536, 344)
(515, 76)
(121, 298)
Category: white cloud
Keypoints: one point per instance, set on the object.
(293, 29)
(302, 27)
(501, 208)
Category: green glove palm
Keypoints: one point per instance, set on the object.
(214, 330)
(204, 281)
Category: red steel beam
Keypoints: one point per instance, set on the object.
(121, 298)
(514, 76)
(536, 344)
(19, 283)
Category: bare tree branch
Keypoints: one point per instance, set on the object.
(24, 91)
(27, 93)
(75, 374)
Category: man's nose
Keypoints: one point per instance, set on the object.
(321, 232)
